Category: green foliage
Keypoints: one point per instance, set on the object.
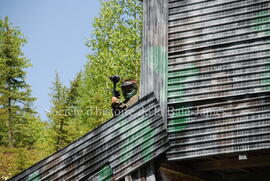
(65, 125)
(14, 160)
(15, 93)
(116, 45)
(85, 104)
(75, 126)
(21, 130)
(57, 114)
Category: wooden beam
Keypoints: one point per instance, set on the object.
(226, 164)
(252, 176)
(184, 173)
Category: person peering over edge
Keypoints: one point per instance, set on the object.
(129, 90)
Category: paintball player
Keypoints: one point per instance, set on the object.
(129, 90)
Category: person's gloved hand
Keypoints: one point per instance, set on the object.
(114, 100)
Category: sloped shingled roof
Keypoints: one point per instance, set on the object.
(114, 149)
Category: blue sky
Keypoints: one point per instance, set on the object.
(56, 31)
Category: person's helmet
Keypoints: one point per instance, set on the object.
(129, 88)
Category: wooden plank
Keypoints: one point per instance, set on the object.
(183, 173)
(226, 164)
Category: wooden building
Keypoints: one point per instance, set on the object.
(205, 111)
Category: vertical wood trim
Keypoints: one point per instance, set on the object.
(155, 52)
(155, 60)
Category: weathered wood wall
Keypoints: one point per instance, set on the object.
(219, 77)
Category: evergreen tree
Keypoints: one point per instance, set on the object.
(58, 115)
(75, 127)
(66, 127)
(21, 130)
(15, 93)
(73, 94)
